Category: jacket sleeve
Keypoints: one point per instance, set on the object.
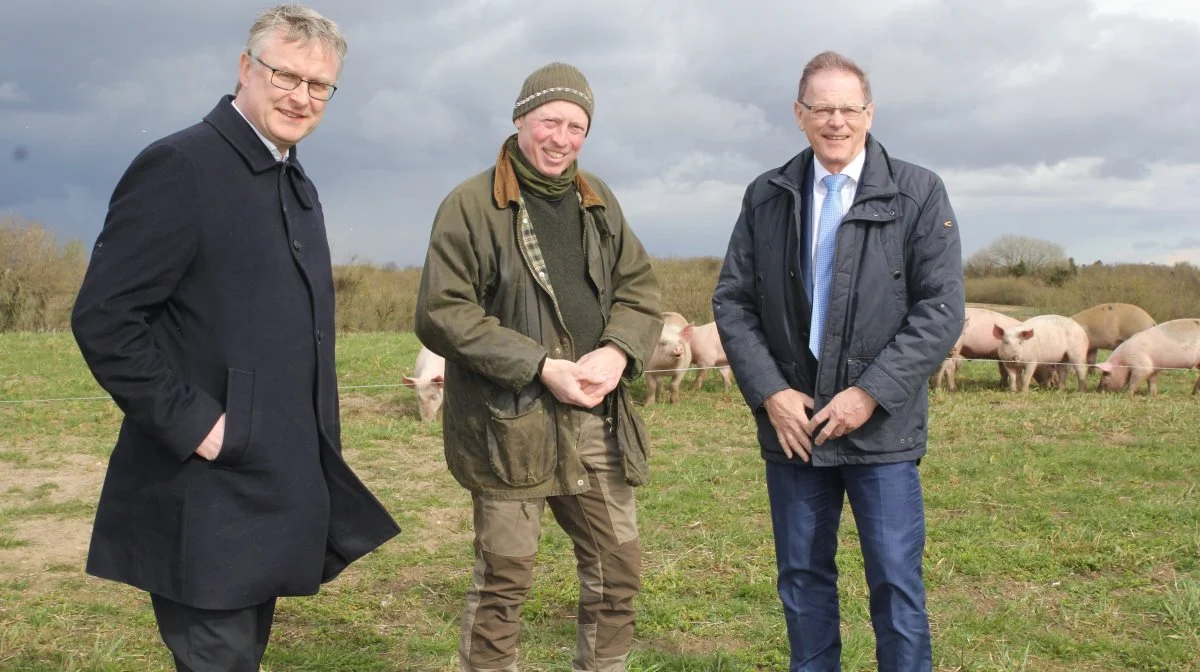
(635, 322)
(450, 319)
(933, 258)
(736, 312)
(149, 237)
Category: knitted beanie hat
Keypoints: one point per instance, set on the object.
(556, 81)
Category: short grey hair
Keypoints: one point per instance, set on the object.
(831, 60)
(298, 24)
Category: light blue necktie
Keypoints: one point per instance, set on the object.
(831, 218)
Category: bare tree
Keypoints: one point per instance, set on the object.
(1019, 255)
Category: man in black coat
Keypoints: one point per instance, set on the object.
(207, 312)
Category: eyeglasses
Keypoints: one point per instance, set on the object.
(825, 112)
(288, 82)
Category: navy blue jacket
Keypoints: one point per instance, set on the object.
(210, 290)
(896, 302)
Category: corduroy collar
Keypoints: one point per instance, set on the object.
(506, 190)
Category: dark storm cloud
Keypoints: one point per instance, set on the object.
(1046, 119)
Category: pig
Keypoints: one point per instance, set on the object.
(949, 366)
(978, 341)
(1171, 345)
(1111, 324)
(428, 380)
(672, 356)
(707, 352)
(1045, 339)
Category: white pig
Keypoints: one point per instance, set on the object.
(949, 366)
(708, 352)
(428, 382)
(672, 356)
(1045, 339)
(978, 341)
(1170, 345)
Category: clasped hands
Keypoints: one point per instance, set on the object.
(789, 413)
(585, 382)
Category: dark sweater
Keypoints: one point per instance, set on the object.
(559, 229)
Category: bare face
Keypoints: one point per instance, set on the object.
(551, 135)
(284, 117)
(835, 140)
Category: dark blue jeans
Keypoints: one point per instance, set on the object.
(806, 507)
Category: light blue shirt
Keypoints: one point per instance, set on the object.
(852, 171)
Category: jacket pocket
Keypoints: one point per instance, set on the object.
(633, 439)
(521, 446)
(854, 369)
(239, 413)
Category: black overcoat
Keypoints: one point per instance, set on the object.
(210, 290)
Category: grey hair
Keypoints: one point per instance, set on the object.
(831, 60)
(298, 24)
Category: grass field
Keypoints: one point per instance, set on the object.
(1064, 534)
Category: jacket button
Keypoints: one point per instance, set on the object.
(895, 275)
(320, 335)
(296, 245)
(579, 482)
(791, 274)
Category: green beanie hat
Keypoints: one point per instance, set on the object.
(556, 81)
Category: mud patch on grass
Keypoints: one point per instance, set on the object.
(76, 477)
(54, 548)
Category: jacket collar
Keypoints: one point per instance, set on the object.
(876, 179)
(238, 132)
(245, 140)
(506, 190)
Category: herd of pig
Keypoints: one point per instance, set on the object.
(1045, 349)
(1048, 348)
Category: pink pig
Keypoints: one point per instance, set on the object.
(672, 357)
(708, 352)
(949, 366)
(428, 382)
(1170, 345)
(1042, 340)
(979, 341)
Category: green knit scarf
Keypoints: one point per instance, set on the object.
(552, 188)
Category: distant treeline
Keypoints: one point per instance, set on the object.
(39, 277)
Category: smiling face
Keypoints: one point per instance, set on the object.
(284, 117)
(835, 140)
(551, 135)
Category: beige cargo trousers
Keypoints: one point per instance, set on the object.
(602, 524)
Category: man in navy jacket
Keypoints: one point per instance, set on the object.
(841, 291)
(207, 312)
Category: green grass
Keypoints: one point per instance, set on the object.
(1063, 534)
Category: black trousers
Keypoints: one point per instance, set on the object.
(206, 640)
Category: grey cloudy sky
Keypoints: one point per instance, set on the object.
(1068, 120)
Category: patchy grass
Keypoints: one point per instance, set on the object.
(1064, 534)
